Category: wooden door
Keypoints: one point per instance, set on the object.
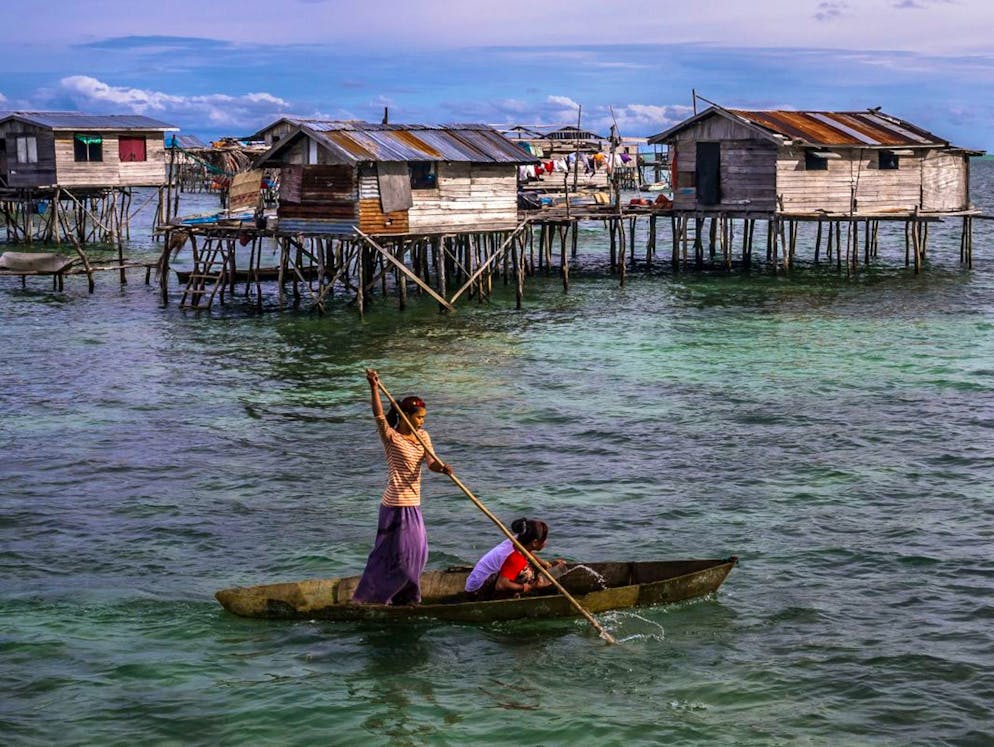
(708, 173)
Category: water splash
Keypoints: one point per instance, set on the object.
(629, 626)
(598, 578)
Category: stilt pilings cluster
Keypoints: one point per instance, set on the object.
(228, 262)
(78, 217)
(59, 215)
(242, 261)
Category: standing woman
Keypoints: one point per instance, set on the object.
(393, 571)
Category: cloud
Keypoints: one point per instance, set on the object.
(830, 10)
(917, 4)
(650, 119)
(563, 101)
(158, 44)
(217, 109)
(558, 111)
(2, 98)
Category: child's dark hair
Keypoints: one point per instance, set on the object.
(409, 405)
(529, 530)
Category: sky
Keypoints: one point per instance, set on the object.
(221, 68)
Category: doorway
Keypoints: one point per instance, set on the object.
(708, 173)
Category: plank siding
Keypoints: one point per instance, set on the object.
(945, 177)
(756, 171)
(319, 193)
(41, 174)
(876, 190)
(468, 196)
(111, 171)
(748, 174)
(245, 190)
(373, 220)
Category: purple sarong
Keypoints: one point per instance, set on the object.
(393, 571)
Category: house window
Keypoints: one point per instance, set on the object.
(88, 147)
(814, 162)
(131, 148)
(27, 149)
(887, 160)
(422, 175)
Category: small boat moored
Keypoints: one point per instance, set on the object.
(598, 587)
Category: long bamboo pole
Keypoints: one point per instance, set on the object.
(507, 533)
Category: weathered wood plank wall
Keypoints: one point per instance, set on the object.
(755, 173)
(37, 174)
(467, 196)
(945, 180)
(111, 171)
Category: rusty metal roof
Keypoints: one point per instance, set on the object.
(867, 129)
(355, 142)
(861, 129)
(80, 121)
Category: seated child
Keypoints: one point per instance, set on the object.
(505, 572)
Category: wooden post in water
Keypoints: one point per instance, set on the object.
(650, 244)
(441, 271)
(614, 245)
(675, 259)
(969, 242)
(622, 265)
(519, 274)
(631, 237)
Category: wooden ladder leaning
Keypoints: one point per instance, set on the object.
(210, 268)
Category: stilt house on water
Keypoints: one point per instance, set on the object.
(69, 149)
(68, 176)
(393, 179)
(813, 164)
(839, 169)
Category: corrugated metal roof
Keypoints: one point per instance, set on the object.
(80, 121)
(188, 142)
(573, 133)
(869, 128)
(354, 142)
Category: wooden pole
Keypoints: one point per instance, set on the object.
(507, 533)
(650, 244)
(519, 273)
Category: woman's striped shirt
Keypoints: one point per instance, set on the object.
(404, 460)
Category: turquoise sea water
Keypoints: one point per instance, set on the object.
(835, 433)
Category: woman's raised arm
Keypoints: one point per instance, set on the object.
(374, 392)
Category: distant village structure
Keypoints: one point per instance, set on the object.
(352, 207)
(584, 155)
(70, 150)
(67, 177)
(80, 168)
(837, 168)
(357, 200)
(395, 179)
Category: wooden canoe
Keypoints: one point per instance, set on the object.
(599, 587)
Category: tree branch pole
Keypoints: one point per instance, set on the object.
(507, 533)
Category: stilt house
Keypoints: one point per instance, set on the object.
(813, 162)
(69, 149)
(394, 178)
